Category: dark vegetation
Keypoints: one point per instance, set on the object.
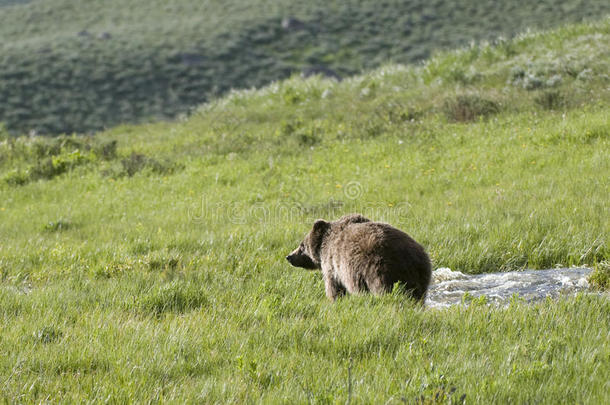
(4, 3)
(469, 107)
(68, 67)
(44, 158)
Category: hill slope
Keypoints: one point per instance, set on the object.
(79, 67)
(146, 263)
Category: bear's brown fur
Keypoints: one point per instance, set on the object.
(357, 255)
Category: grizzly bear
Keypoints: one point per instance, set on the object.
(357, 255)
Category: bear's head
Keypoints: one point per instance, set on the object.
(307, 255)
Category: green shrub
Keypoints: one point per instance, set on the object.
(137, 162)
(16, 177)
(550, 99)
(59, 225)
(302, 132)
(59, 164)
(46, 158)
(469, 107)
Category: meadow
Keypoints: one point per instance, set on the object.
(81, 67)
(146, 263)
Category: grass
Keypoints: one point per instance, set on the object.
(86, 340)
(111, 63)
(153, 270)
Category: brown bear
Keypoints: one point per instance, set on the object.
(357, 255)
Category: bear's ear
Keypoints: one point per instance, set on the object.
(320, 226)
(317, 235)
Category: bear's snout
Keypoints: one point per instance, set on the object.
(299, 259)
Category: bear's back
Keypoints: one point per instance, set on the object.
(372, 237)
(378, 251)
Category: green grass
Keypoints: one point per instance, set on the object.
(147, 263)
(274, 341)
(80, 68)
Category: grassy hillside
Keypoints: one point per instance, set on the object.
(147, 263)
(79, 67)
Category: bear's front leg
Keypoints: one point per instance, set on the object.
(334, 289)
